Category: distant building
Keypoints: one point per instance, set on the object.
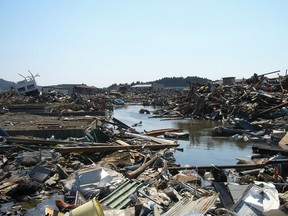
(142, 87)
(69, 89)
(61, 90)
(66, 89)
(228, 80)
(153, 86)
(157, 86)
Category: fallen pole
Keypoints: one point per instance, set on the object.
(138, 171)
(111, 148)
(272, 108)
(278, 71)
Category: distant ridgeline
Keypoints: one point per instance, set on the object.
(180, 81)
(169, 82)
(5, 85)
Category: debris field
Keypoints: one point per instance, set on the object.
(68, 155)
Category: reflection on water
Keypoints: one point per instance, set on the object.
(199, 131)
(201, 149)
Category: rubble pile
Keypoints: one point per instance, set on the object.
(56, 102)
(92, 164)
(253, 110)
(249, 101)
(131, 173)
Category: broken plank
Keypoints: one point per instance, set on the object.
(35, 141)
(158, 132)
(120, 123)
(7, 184)
(122, 143)
(150, 138)
(283, 143)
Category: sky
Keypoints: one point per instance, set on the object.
(100, 43)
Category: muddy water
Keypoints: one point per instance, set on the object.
(201, 149)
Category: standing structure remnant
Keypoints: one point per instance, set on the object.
(28, 86)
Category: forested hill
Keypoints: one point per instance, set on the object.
(5, 85)
(180, 81)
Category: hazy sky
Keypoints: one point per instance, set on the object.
(120, 41)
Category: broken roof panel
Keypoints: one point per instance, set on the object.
(193, 207)
(120, 198)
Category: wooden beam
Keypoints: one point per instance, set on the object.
(151, 138)
(111, 148)
(36, 141)
(273, 108)
(120, 123)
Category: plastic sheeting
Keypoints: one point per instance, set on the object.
(262, 196)
(91, 181)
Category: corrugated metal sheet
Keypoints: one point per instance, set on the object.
(192, 207)
(120, 198)
(40, 173)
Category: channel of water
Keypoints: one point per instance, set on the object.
(201, 148)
